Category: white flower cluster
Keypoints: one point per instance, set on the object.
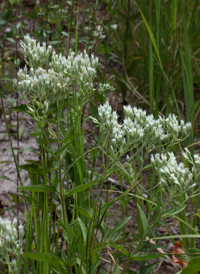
(99, 33)
(37, 55)
(40, 83)
(108, 122)
(161, 129)
(105, 89)
(174, 128)
(80, 68)
(194, 161)
(133, 131)
(114, 26)
(45, 86)
(197, 159)
(105, 113)
(139, 127)
(172, 172)
(10, 246)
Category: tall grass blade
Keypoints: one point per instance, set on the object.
(174, 13)
(152, 37)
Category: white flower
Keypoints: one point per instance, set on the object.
(171, 171)
(114, 26)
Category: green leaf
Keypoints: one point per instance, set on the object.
(126, 201)
(98, 96)
(69, 226)
(111, 203)
(82, 210)
(31, 150)
(5, 162)
(13, 2)
(59, 269)
(21, 132)
(7, 178)
(102, 48)
(149, 268)
(144, 220)
(2, 22)
(65, 147)
(83, 266)
(83, 228)
(20, 108)
(144, 257)
(99, 74)
(177, 236)
(119, 226)
(65, 33)
(32, 168)
(80, 188)
(192, 267)
(44, 258)
(173, 211)
(35, 134)
(120, 249)
(39, 188)
(94, 111)
(62, 130)
(72, 224)
(69, 139)
(187, 224)
(174, 13)
(151, 36)
(94, 267)
(11, 40)
(112, 47)
(45, 148)
(116, 269)
(98, 247)
(192, 253)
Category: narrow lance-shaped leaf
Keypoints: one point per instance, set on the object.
(174, 13)
(144, 220)
(83, 211)
(119, 226)
(44, 258)
(80, 188)
(152, 37)
(83, 228)
(39, 188)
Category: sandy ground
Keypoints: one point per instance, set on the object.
(8, 173)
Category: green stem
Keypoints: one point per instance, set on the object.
(62, 200)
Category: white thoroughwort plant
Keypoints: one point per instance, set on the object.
(141, 130)
(145, 135)
(55, 90)
(46, 86)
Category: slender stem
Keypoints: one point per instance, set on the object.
(62, 200)
(69, 28)
(46, 211)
